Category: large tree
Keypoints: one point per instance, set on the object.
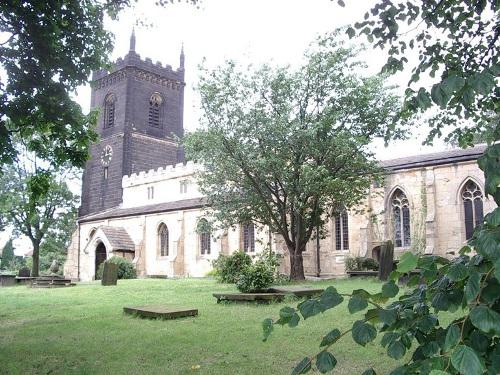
(31, 202)
(284, 148)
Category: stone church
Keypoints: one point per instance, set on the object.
(140, 199)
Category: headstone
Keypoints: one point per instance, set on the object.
(24, 272)
(109, 274)
(386, 264)
(54, 267)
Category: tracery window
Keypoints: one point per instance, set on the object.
(401, 219)
(163, 240)
(204, 234)
(341, 230)
(472, 198)
(109, 110)
(249, 238)
(154, 110)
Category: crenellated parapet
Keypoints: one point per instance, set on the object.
(168, 172)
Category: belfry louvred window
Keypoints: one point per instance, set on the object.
(155, 103)
(109, 110)
(401, 219)
(472, 198)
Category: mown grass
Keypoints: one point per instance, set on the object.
(82, 330)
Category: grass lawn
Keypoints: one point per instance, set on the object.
(82, 330)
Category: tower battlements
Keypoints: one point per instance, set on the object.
(161, 174)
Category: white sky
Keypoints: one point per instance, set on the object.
(248, 31)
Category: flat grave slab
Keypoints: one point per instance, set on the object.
(242, 297)
(160, 311)
(298, 291)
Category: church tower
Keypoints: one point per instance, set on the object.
(140, 115)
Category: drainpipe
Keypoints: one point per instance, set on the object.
(318, 260)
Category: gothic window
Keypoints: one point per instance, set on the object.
(151, 192)
(154, 110)
(401, 218)
(109, 111)
(472, 198)
(204, 234)
(249, 238)
(163, 240)
(341, 230)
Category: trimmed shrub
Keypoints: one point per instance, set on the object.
(126, 269)
(361, 264)
(229, 267)
(255, 278)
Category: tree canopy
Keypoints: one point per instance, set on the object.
(285, 148)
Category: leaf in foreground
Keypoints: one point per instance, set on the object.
(363, 332)
(465, 360)
(325, 361)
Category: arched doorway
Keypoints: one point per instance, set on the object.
(100, 255)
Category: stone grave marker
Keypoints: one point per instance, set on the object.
(109, 274)
(24, 272)
(386, 263)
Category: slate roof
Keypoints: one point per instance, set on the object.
(118, 238)
(435, 158)
(149, 209)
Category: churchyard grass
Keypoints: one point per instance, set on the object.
(82, 330)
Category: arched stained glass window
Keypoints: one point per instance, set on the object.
(401, 219)
(472, 198)
(341, 230)
(249, 238)
(155, 103)
(109, 110)
(163, 240)
(205, 235)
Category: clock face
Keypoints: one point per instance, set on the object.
(106, 154)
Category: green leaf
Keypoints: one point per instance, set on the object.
(407, 263)
(484, 83)
(465, 360)
(310, 307)
(485, 319)
(267, 326)
(294, 321)
(286, 313)
(457, 272)
(396, 350)
(453, 83)
(388, 338)
(388, 316)
(351, 32)
(330, 337)
(370, 371)
(472, 287)
(452, 337)
(325, 361)
(356, 304)
(302, 367)
(330, 298)
(497, 269)
(439, 372)
(390, 289)
(439, 95)
(363, 333)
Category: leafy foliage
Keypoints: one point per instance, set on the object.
(229, 267)
(126, 269)
(361, 264)
(458, 48)
(282, 148)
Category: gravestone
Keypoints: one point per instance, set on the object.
(386, 264)
(24, 272)
(109, 274)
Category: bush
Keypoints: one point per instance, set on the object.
(255, 278)
(126, 269)
(229, 267)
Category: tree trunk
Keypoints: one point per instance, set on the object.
(296, 265)
(36, 260)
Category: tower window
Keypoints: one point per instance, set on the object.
(401, 219)
(472, 198)
(105, 173)
(109, 110)
(151, 192)
(155, 103)
(183, 186)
